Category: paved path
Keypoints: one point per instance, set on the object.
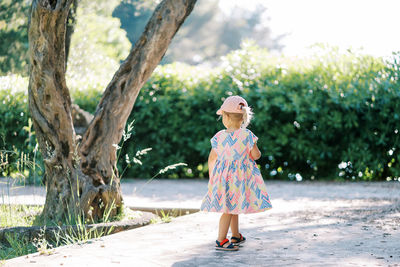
(311, 224)
(137, 193)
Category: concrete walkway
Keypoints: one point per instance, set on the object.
(137, 193)
(311, 224)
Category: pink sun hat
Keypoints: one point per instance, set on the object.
(233, 104)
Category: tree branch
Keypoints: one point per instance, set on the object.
(71, 22)
(49, 99)
(116, 104)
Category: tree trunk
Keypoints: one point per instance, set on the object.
(71, 22)
(83, 179)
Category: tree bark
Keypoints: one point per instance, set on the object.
(71, 22)
(83, 179)
(106, 129)
(50, 102)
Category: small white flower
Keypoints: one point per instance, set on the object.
(342, 165)
(116, 146)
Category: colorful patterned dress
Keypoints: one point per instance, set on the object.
(236, 185)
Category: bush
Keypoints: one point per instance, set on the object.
(17, 141)
(14, 111)
(331, 115)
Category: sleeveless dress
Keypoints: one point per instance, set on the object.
(236, 185)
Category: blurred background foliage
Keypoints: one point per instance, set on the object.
(207, 34)
(329, 115)
(14, 36)
(103, 29)
(98, 46)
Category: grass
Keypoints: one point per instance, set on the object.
(166, 216)
(18, 215)
(17, 246)
(28, 215)
(163, 217)
(24, 215)
(127, 214)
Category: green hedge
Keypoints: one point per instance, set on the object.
(327, 116)
(17, 140)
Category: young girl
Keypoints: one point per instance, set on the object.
(235, 184)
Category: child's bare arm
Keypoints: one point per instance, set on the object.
(255, 152)
(211, 161)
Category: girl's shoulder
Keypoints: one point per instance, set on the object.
(250, 137)
(242, 133)
(219, 133)
(249, 131)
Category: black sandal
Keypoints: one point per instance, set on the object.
(238, 240)
(230, 247)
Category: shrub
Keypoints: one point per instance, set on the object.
(19, 155)
(329, 116)
(332, 115)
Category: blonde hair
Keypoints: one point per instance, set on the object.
(244, 117)
(247, 116)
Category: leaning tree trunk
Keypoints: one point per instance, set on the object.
(83, 177)
(71, 22)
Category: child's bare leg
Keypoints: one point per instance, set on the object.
(224, 223)
(235, 225)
